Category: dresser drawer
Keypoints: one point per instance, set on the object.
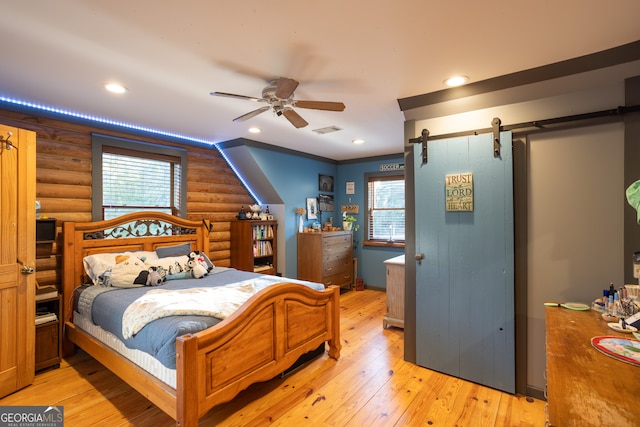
(339, 266)
(340, 279)
(330, 258)
(335, 244)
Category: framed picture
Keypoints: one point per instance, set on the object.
(326, 202)
(312, 208)
(351, 187)
(325, 183)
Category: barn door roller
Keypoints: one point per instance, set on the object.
(422, 139)
(495, 124)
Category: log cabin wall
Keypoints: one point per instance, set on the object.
(63, 185)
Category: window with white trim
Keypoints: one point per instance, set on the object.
(385, 208)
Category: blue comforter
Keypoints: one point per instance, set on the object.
(158, 338)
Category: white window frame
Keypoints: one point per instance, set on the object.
(368, 221)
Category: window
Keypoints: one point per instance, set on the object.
(385, 207)
(130, 176)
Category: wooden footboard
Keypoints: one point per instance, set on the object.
(274, 328)
(259, 341)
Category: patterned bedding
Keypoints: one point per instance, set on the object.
(106, 307)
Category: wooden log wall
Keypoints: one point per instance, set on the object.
(63, 185)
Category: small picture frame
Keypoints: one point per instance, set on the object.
(270, 217)
(325, 183)
(312, 208)
(326, 202)
(351, 187)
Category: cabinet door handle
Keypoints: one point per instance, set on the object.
(27, 269)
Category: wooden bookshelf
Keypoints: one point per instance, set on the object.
(254, 245)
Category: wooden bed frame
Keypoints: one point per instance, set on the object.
(259, 341)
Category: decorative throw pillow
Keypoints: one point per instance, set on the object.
(125, 273)
(173, 251)
(95, 265)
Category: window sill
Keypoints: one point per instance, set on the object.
(381, 243)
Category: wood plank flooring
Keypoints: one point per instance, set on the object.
(371, 385)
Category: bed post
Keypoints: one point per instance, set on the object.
(334, 343)
(187, 411)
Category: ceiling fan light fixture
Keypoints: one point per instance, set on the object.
(454, 81)
(358, 141)
(254, 129)
(280, 98)
(116, 88)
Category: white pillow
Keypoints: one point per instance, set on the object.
(95, 265)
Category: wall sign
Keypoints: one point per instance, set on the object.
(351, 187)
(459, 192)
(391, 167)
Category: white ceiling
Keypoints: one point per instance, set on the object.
(367, 54)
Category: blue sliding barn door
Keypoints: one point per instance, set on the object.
(465, 282)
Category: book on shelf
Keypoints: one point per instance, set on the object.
(46, 292)
(259, 268)
(262, 248)
(45, 317)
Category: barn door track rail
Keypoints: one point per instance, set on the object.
(576, 120)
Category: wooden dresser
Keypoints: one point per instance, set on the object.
(326, 257)
(584, 386)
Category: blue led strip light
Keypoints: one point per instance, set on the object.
(67, 113)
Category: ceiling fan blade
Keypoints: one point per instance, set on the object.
(285, 87)
(233, 95)
(250, 114)
(294, 118)
(320, 105)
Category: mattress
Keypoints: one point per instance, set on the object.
(140, 358)
(153, 348)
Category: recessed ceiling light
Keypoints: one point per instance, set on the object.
(456, 81)
(358, 141)
(254, 130)
(115, 88)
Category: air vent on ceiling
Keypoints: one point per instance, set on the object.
(327, 129)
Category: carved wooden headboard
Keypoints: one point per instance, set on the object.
(140, 231)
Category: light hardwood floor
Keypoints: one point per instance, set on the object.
(371, 385)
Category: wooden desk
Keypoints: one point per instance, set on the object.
(584, 386)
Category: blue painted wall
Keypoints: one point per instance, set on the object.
(371, 259)
(296, 177)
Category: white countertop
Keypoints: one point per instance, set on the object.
(399, 260)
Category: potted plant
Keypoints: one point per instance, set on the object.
(349, 222)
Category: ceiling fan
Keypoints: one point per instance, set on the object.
(279, 95)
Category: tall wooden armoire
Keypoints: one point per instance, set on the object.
(17, 258)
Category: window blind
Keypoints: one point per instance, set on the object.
(386, 208)
(137, 181)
